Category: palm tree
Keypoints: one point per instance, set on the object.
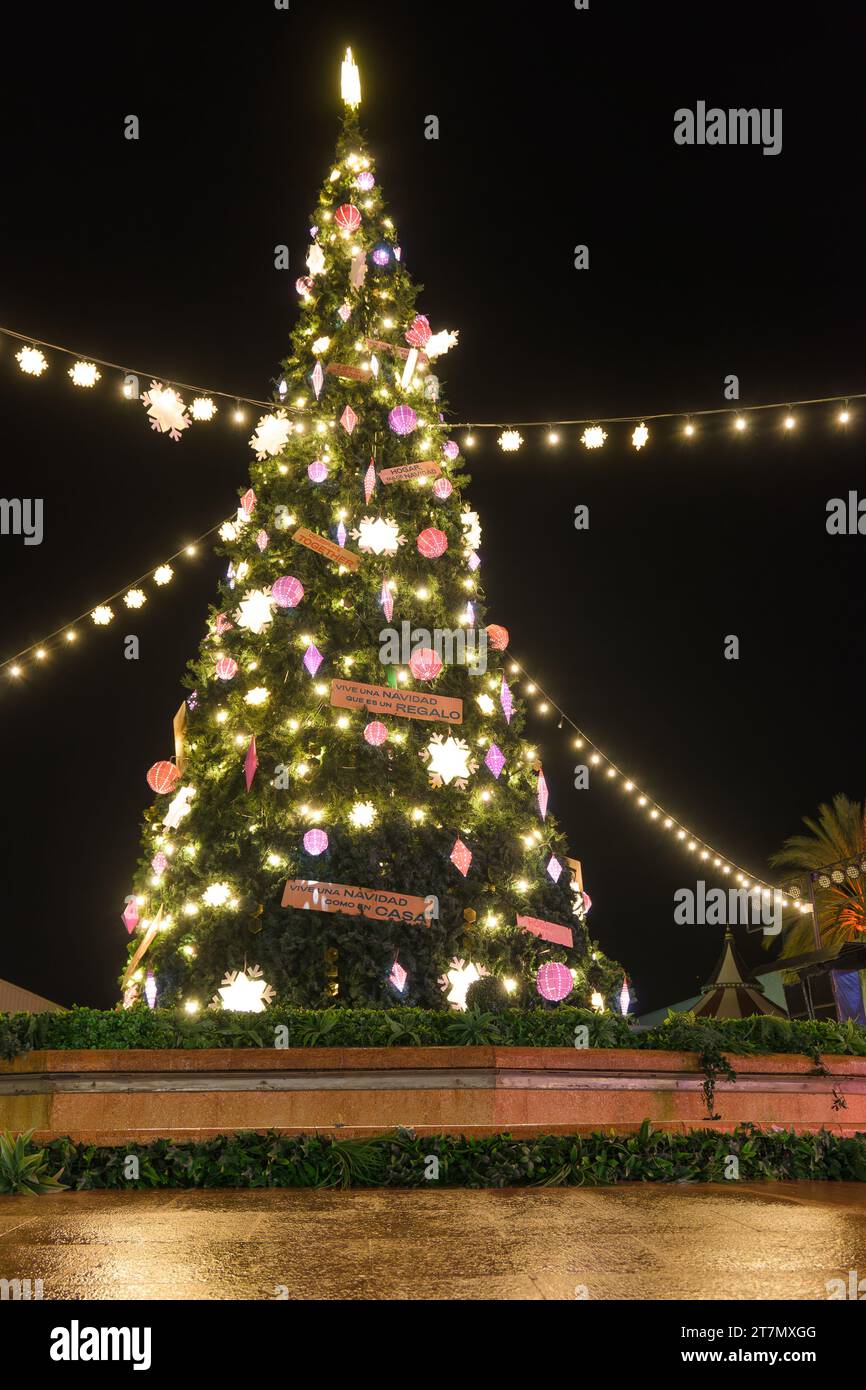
(838, 834)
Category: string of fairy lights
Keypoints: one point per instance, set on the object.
(645, 804)
(85, 373)
(134, 596)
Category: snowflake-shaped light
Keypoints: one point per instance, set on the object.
(85, 374)
(217, 895)
(363, 815)
(245, 992)
(450, 760)
(32, 361)
(485, 704)
(255, 611)
(321, 345)
(640, 435)
(510, 441)
(163, 575)
(378, 535)
(136, 598)
(166, 410)
(271, 436)
(203, 408)
(471, 523)
(258, 696)
(458, 978)
(228, 531)
(593, 437)
(102, 615)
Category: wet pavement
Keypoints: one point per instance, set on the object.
(764, 1241)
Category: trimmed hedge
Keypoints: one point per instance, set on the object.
(401, 1160)
(139, 1027)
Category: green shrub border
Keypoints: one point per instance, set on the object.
(139, 1027)
(402, 1160)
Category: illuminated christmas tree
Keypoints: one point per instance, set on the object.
(352, 807)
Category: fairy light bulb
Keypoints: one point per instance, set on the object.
(689, 429)
(740, 423)
(790, 422)
(844, 416)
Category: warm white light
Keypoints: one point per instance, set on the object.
(85, 374)
(246, 994)
(163, 575)
(593, 437)
(510, 441)
(740, 422)
(362, 815)
(640, 435)
(351, 81)
(689, 429)
(844, 416)
(102, 615)
(257, 696)
(203, 408)
(790, 422)
(552, 437)
(136, 598)
(31, 361)
(217, 895)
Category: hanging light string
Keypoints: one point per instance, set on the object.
(654, 811)
(88, 359)
(510, 439)
(736, 410)
(135, 597)
(102, 615)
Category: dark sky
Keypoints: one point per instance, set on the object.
(556, 129)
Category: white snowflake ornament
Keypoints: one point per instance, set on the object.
(271, 436)
(471, 523)
(244, 991)
(316, 260)
(377, 535)
(255, 611)
(166, 410)
(450, 760)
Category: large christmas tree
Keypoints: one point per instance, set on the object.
(352, 731)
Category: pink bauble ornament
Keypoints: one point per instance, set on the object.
(348, 218)
(498, 637)
(365, 182)
(587, 902)
(163, 778)
(304, 286)
(451, 450)
(287, 592)
(159, 863)
(376, 734)
(432, 543)
(226, 668)
(317, 471)
(403, 419)
(442, 489)
(425, 664)
(315, 842)
(554, 982)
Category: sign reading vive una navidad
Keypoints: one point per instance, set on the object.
(377, 905)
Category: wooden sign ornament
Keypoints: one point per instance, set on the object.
(373, 904)
(401, 704)
(331, 551)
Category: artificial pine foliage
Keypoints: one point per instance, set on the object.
(229, 857)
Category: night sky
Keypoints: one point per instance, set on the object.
(556, 129)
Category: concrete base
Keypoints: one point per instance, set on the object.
(121, 1097)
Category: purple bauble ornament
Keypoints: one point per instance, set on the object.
(403, 419)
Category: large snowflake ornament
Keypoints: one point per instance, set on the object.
(450, 760)
(378, 535)
(458, 978)
(440, 343)
(255, 611)
(244, 991)
(271, 436)
(166, 410)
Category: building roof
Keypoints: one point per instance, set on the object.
(731, 992)
(14, 1000)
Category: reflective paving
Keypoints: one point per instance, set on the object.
(768, 1241)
